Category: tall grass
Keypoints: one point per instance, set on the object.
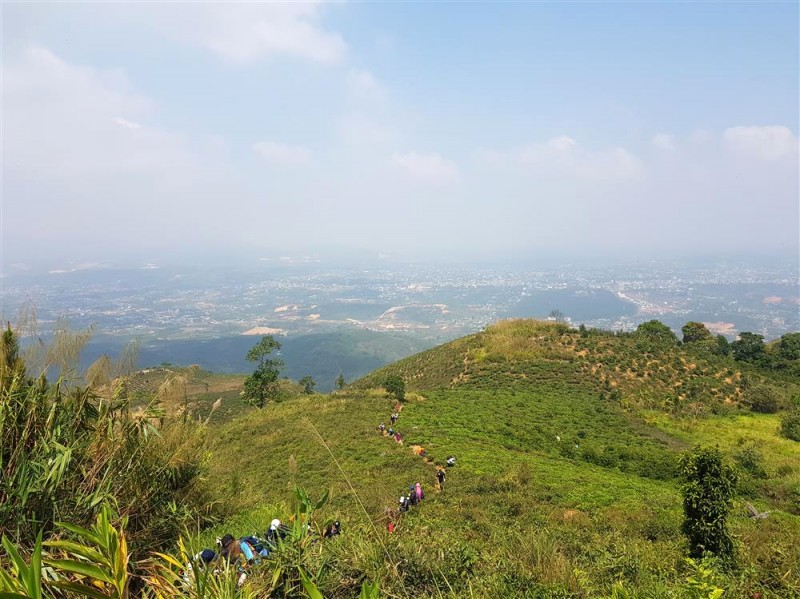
(65, 450)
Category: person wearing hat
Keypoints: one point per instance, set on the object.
(276, 532)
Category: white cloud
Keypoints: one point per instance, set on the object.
(768, 143)
(664, 141)
(363, 85)
(362, 129)
(564, 157)
(245, 32)
(126, 123)
(80, 156)
(431, 168)
(283, 154)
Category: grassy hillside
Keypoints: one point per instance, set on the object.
(564, 484)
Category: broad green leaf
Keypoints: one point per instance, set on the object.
(88, 553)
(81, 568)
(310, 588)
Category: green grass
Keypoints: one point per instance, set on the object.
(522, 513)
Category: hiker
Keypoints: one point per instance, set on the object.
(394, 417)
(233, 550)
(258, 545)
(332, 530)
(420, 494)
(413, 499)
(403, 503)
(391, 432)
(201, 560)
(382, 427)
(440, 476)
(276, 532)
(451, 461)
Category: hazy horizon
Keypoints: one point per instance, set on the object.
(431, 132)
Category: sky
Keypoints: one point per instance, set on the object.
(419, 130)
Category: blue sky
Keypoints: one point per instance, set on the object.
(438, 130)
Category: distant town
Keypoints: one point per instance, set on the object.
(302, 296)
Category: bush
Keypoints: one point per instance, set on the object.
(707, 499)
(750, 460)
(762, 399)
(790, 425)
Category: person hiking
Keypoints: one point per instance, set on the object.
(382, 427)
(403, 503)
(201, 560)
(394, 417)
(332, 530)
(420, 494)
(276, 532)
(440, 476)
(391, 432)
(413, 499)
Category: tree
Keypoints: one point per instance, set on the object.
(395, 385)
(708, 491)
(655, 330)
(263, 382)
(556, 315)
(723, 347)
(308, 384)
(749, 347)
(695, 331)
(340, 382)
(789, 347)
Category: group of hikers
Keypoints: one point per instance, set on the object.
(250, 550)
(415, 493)
(246, 551)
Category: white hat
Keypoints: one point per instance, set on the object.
(275, 524)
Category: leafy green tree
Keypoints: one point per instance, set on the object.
(789, 347)
(340, 382)
(657, 331)
(395, 385)
(708, 492)
(260, 385)
(308, 384)
(723, 347)
(749, 347)
(695, 331)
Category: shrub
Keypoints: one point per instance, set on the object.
(750, 460)
(762, 399)
(708, 493)
(790, 425)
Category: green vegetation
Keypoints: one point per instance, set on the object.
(67, 449)
(308, 384)
(790, 425)
(262, 384)
(395, 386)
(707, 500)
(566, 482)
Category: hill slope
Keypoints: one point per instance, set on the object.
(564, 483)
